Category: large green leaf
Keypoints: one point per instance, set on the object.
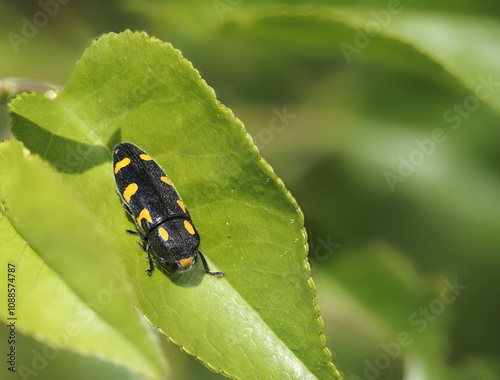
(71, 290)
(259, 321)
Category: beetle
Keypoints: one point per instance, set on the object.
(164, 225)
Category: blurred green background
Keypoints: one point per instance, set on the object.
(383, 120)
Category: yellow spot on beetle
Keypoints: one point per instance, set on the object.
(144, 215)
(166, 180)
(116, 151)
(189, 227)
(121, 164)
(179, 202)
(186, 262)
(145, 157)
(129, 191)
(163, 233)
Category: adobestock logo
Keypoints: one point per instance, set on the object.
(454, 116)
(223, 6)
(322, 251)
(277, 124)
(30, 27)
(417, 157)
(421, 319)
(379, 19)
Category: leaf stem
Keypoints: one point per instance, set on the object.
(10, 87)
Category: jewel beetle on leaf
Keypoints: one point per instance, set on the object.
(163, 222)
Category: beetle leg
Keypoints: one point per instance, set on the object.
(145, 247)
(143, 238)
(140, 244)
(132, 232)
(207, 269)
(127, 208)
(151, 265)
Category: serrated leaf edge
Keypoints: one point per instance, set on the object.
(308, 277)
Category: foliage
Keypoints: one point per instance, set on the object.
(381, 117)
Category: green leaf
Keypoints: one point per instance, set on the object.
(69, 294)
(260, 320)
